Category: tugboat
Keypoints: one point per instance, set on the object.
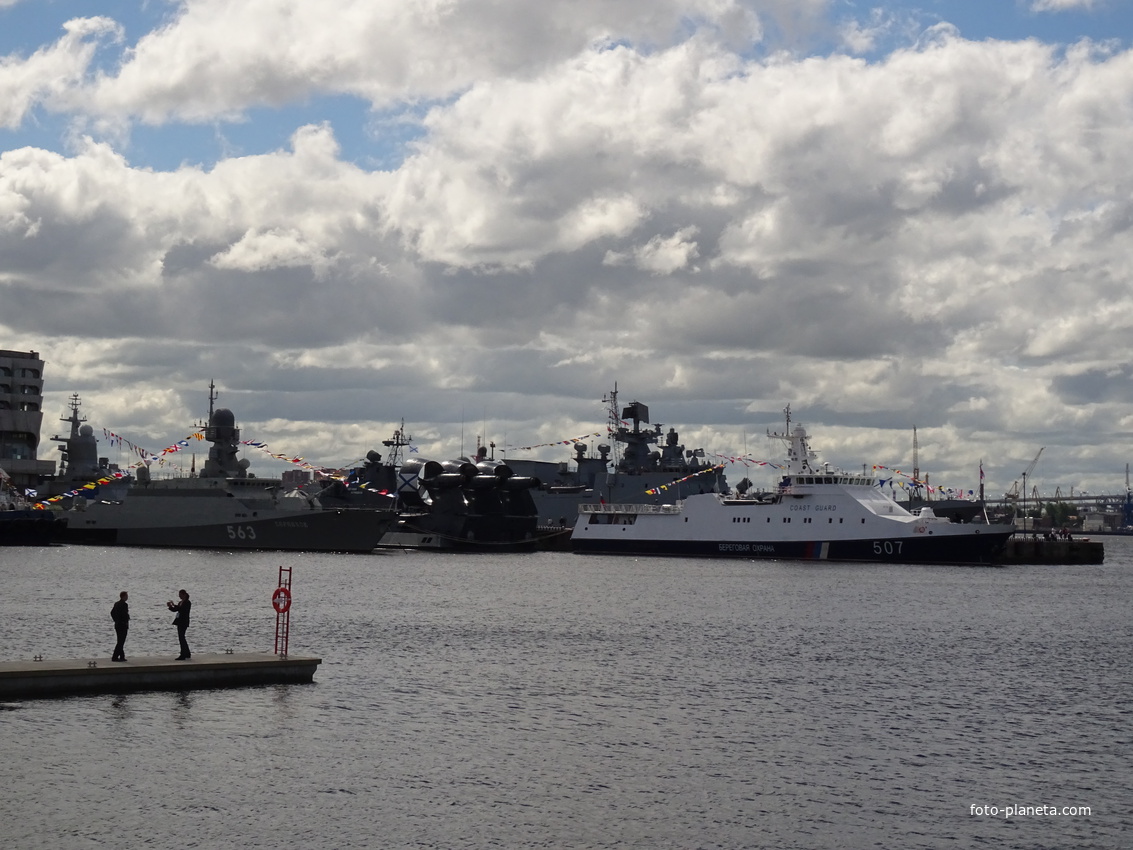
(816, 513)
(224, 507)
(633, 470)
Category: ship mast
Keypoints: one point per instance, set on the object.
(614, 422)
(65, 459)
(916, 461)
(395, 444)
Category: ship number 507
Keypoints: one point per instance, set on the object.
(887, 547)
(241, 532)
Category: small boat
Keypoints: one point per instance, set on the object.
(816, 513)
(28, 527)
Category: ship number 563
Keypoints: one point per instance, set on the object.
(241, 532)
(887, 547)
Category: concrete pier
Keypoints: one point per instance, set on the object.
(72, 677)
(1039, 550)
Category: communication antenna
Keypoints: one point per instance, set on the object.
(614, 419)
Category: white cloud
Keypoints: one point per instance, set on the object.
(934, 238)
(50, 72)
(661, 255)
(1062, 5)
(218, 58)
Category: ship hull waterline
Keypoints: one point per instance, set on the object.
(977, 548)
(315, 531)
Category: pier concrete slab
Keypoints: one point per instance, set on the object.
(72, 677)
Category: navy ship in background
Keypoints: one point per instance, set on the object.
(469, 504)
(80, 467)
(643, 459)
(920, 495)
(816, 513)
(224, 507)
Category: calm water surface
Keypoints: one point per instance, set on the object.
(554, 700)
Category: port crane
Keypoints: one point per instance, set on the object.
(1128, 500)
(1013, 493)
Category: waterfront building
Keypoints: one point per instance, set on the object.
(295, 478)
(21, 415)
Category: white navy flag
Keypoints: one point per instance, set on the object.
(30, 493)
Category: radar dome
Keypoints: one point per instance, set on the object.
(86, 431)
(222, 416)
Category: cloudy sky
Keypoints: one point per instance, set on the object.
(478, 215)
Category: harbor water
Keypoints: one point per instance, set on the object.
(562, 701)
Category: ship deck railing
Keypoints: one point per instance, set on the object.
(629, 509)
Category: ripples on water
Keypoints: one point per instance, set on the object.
(559, 701)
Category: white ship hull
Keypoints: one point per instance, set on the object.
(797, 527)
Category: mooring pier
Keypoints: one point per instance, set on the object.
(1022, 549)
(77, 676)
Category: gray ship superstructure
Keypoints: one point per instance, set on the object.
(224, 507)
(641, 460)
(80, 465)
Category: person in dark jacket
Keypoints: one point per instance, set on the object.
(181, 621)
(120, 614)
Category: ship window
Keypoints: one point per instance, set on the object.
(830, 520)
(839, 520)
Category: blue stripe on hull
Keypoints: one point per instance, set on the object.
(981, 548)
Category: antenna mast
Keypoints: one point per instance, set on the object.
(614, 422)
(916, 461)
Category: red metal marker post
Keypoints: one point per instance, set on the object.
(281, 602)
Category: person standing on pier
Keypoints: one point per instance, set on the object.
(181, 621)
(120, 614)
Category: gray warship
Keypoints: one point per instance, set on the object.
(223, 507)
(473, 504)
(641, 460)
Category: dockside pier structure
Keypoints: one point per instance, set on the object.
(41, 679)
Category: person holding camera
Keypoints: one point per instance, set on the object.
(181, 621)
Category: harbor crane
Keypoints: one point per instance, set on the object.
(1128, 507)
(1030, 468)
